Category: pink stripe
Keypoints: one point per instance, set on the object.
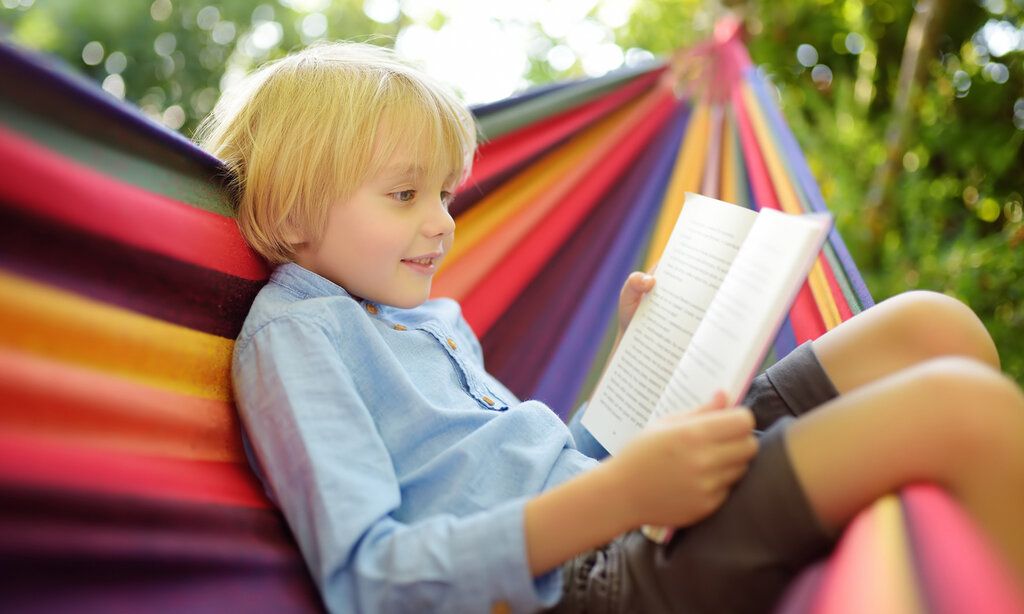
(957, 563)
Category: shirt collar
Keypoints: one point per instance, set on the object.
(301, 280)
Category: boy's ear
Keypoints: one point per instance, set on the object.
(292, 236)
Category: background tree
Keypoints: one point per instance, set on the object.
(911, 115)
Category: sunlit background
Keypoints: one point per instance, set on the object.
(911, 114)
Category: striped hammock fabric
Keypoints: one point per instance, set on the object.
(124, 281)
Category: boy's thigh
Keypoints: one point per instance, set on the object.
(739, 559)
(792, 386)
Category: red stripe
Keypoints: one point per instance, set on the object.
(485, 303)
(510, 149)
(804, 316)
(845, 313)
(45, 183)
(44, 463)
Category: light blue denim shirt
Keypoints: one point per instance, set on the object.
(400, 464)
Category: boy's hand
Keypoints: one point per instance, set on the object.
(637, 285)
(681, 469)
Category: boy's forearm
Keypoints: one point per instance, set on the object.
(584, 512)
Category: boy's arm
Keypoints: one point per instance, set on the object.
(580, 514)
(673, 473)
(327, 468)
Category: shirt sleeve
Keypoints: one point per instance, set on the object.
(323, 462)
(585, 442)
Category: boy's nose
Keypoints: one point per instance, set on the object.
(440, 221)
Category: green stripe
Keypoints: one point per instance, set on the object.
(740, 182)
(201, 192)
(536, 109)
(842, 278)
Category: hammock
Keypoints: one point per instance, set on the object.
(124, 281)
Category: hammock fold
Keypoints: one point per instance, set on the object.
(124, 282)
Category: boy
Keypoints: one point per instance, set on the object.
(414, 480)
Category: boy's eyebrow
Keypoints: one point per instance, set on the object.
(409, 170)
(403, 170)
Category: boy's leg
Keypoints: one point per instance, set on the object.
(893, 335)
(953, 421)
(900, 332)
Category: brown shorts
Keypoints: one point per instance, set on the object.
(742, 557)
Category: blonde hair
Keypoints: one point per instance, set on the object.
(305, 131)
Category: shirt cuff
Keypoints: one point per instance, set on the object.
(585, 442)
(492, 554)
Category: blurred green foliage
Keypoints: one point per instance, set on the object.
(957, 219)
(956, 224)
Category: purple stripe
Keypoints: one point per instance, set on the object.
(520, 345)
(806, 182)
(123, 275)
(802, 592)
(71, 550)
(642, 193)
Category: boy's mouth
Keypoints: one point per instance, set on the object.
(425, 259)
(427, 263)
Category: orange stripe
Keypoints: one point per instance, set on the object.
(686, 174)
(45, 321)
(464, 274)
(62, 402)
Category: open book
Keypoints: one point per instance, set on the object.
(725, 282)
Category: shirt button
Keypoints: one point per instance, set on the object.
(500, 607)
(399, 327)
(451, 344)
(372, 308)
(488, 400)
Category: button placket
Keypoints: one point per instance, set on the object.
(474, 384)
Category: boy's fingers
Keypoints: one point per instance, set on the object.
(727, 424)
(729, 475)
(639, 281)
(737, 452)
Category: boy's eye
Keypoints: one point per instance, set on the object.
(404, 196)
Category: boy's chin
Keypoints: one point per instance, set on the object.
(409, 302)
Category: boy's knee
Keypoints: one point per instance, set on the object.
(979, 408)
(940, 325)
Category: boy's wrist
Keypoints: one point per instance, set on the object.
(582, 513)
(621, 503)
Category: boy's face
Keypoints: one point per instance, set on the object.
(371, 239)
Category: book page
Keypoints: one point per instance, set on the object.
(747, 312)
(706, 237)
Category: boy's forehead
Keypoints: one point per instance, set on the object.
(401, 167)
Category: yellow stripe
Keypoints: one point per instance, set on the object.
(728, 175)
(479, 222)
(45, 321)
(894, 575)
(686, 176)
(817, 281)
(788, 200)
(789, 203)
